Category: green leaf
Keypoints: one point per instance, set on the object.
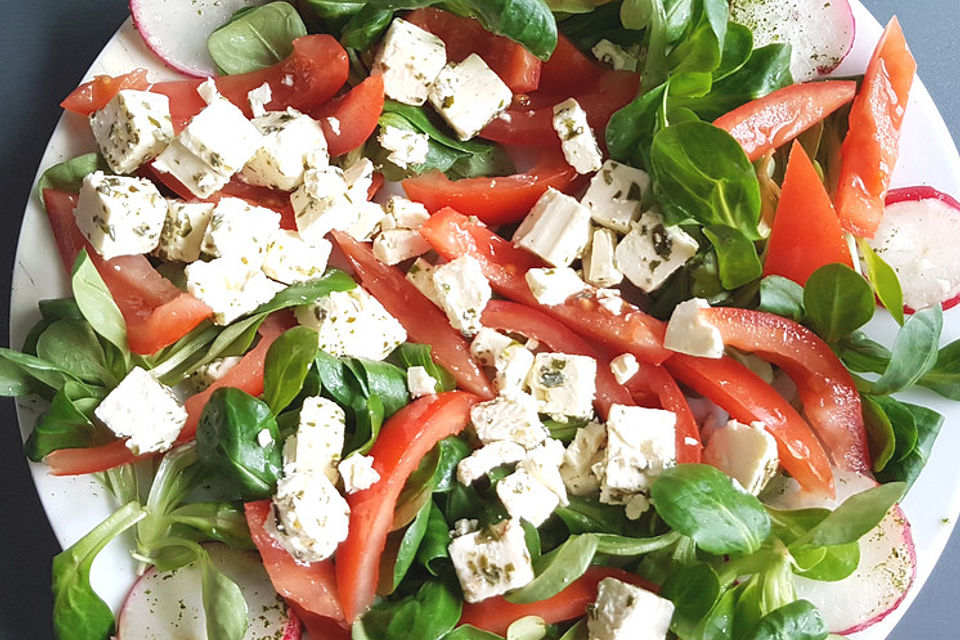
(436, 540)
(693, 590)
(410, 354)
(736, 256)
(309, 292)
(914, 353)
(223, 604)
(586, 515)
(799, 620)
(719, 622)
(220, 521)
(529, 22)
(944, 378)
(861, 354)
(558, 569)
(95, 302)
(835, 563)
(69, 175)
(737, 48)
(382, 379)
(883, 281)
(67, 423)
(365, 27)
(73, 346)
(782, 296)
(631, 130)
(428, 615)
(256, 39)
(286, 364)
(701, 47)
(614, 545)
(410, 543)
(926, 423)
(880, 433)
(21, 374)
(854, 518)
(837, 300)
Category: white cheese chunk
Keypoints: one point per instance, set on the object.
(396, 245)
(406, 147)
(421, 275)
(359, 179)
(564, 384)
(614, 195)
(132, 128)
(488, 344)
(420, 382)
(491, 561)
(119, 215)
(259, 98)
(746, 453)
(554, 286)
(469, 95)
(463, 291)
(600, 260)
(369, 219)
(404, 214)
(318, 442)
(208, 90)
(292, 142)
(626, 612)
(641, 443)
(322, 204)
(610, 53)
(487, 458)
(543, 463)
(577, 141)
(688, 332)
(183, 230)
(510, 418)
(240, 230)
(230, 287)
(309, 517)
(409, 60)
(556, 229)
(523, 496)
(624, 367)
(358, 473)
(290, 260)
(585, 451)
(144, 411)
(463, 526)
(264, 438)
(353, 323)
(209, 373)
(512, 366)
(651, 252)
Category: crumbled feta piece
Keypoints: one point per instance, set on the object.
(756, 364)
(523, 496)
(292, 141)
(556, 229)
(513, 366)
(612, 54)
(259, 98)
(487, 458)
(624, 367)
(637, 505)
(585, 451)
(641, 443)
(290, 260)
(651, 252)
(369, 219)
(600, 260)
(334, 125)
(318, 442)
(614, 195)
(358, 473)
(396, 245)
(554, 286)
(488, 344)
(264, 438)
(229, 286)
(564, 384)
(409, 60)
(209, 373)
(469, 95)
(610, 300)
(688, 332)
(309, 517)
(132, 128)
(421, 275)
(543, 463)
(119, 215)
(746, 453)
(626, 612)
(144, 411)
(404, 214)
(359, 179)
(420, 382)
(183, 230)
(511, 418)
(491, 561)
(579, 145)
(208, 90)
(406, 147)
(463, 291)
(240, 230)
(353, 323)
(322, 204)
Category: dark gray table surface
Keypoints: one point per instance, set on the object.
(45, 47)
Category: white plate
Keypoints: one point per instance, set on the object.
(75, 505)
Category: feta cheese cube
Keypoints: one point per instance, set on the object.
(183, 230)
(264, 438)
(406, 147)
(513, 366)
(420, 382)
(322, 204)
(487, 458)
(746, 453)
(359, 179)
(239, 230)
(688, 332)
(585, 451)
(610, 300)
(309, 517)
(488, 344)
(626, 612)
(564, 384)
(523, 496)
(358, 473)
(556, 229)
(463, 291)
(421, 275)
(409, 60)
(614, 195)
(641, 443)
(651, 252)
(292, 141)
(491, 561)
(511, 418)
(353, 323)
(289, 259)
(209, 373)
(132, 128)
(543, 463)
(369, 219)
(469, 95)
(230, 287)
(579, 145)
(554, 286)
(610, 53)
(259, 98)
(624, 367)
(144, 411)
(318, 442)
(119, 215)
(600, 261)
(404, 214)
(396, 245)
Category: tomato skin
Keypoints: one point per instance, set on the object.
(656, 380)
(496, 201)
(66, 235)
(424, 321)
(403, 441)
(806, 232)
(568, 69)
(357, 112)
(869, 152)
(770, 122)
(94, 95)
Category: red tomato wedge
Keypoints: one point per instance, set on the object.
(423, 321)
(405, 438)
(770, 122)
(656, 380)
(830, 399)
(869, 152)
(94, 95)
(311, 587)
(747, 398)
(356, 113)
(66, 234)
(806, 232)
(496, 201)
(568, 69)
(518, 68)
(496, 614)
(452, 235)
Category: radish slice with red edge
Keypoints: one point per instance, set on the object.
(821, 33)
(165, 605)
(177, 30)
(918, 236)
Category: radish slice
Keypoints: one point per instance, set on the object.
(918, 236)
(161, 606)
(177, 30)
(821, 33)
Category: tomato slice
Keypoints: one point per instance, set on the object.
(656, 380)
(496, 614)
(452, 235)
(869, 152)
(770, 122)
(747, 398)
(518, 68)
(403, 441)
(59, 206)
(806, 232)
(496, 201)
(94, 95)
(356, 113)
(568, 70)
(830, 399)
(423, 320)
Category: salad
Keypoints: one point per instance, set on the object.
(469, 321)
